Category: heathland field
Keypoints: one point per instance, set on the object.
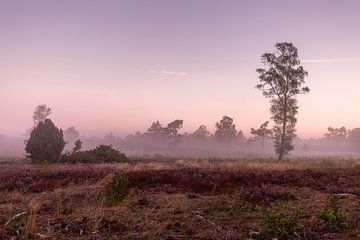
(181, 199)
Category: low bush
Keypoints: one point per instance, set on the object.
(276, 224)
(331, 218)
(100, 154)
(116, 189)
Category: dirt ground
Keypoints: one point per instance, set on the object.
(179, 199)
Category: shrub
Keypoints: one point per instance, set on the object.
(276, 224)
(46, 142)
(100, 154)
(116, 189)
(331, 217)
(106, 153)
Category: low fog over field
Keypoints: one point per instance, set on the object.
(159, 142)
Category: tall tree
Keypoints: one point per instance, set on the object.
(225, 129)
(41, 113)
(281, 80)
(262, 133)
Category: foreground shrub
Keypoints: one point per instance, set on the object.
(116, 189)
(331, 218)
(276, 224)
(46, 143)
(100, 154)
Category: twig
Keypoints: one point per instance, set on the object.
(41, 235)
(16, 216)
(345, 195)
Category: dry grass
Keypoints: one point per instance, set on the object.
(30, 226)
(180, 199)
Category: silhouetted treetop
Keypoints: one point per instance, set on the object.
(201, 133)
(336, 134)
(41, 113)
(225, 129)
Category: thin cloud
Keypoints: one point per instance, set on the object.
(169, 72)
(331, 60)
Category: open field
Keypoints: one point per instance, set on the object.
(178, 199)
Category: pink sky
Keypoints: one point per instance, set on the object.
(119, 65)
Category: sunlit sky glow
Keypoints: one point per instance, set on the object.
(119, 65)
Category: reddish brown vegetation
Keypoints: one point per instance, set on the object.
(172, 202)
(183, 180)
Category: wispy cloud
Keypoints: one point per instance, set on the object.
(168, 72)
(330, 60)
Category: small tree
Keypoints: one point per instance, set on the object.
(156, 130)
(71, 134)
(336, 134)
(77, 146)
(174, 126)
(261, 134)
(41, 113)
(225, 129)
(46, 142)
(281, 81)
(201, 133)
(354, 136)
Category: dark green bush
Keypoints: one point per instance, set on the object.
(100, 154)
(116, 189)
(46, 143)
(332, 218)
(276, 224)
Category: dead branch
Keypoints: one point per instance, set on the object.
(16, 216)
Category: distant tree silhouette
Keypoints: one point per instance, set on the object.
(337, 134)
(171, 130)
(41, 113)
(225, 129)
(156, 130)
(201, 133)
(281, 81)
(46, 142)
(354, 135)
(71, 134)
(261, 134)
(109, 138)
(174, 126)
(77, 146)
(240, 135)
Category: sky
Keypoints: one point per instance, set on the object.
(117, 66)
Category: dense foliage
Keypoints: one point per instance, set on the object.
(46, 142)
(100, 154)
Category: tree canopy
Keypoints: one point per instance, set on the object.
(46, 142)
(225, 129)
(281, 80)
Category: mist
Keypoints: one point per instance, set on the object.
(189, 145)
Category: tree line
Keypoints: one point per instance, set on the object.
(281, 80)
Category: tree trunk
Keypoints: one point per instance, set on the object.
(282, 148)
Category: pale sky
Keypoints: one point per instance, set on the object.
(120, 65)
